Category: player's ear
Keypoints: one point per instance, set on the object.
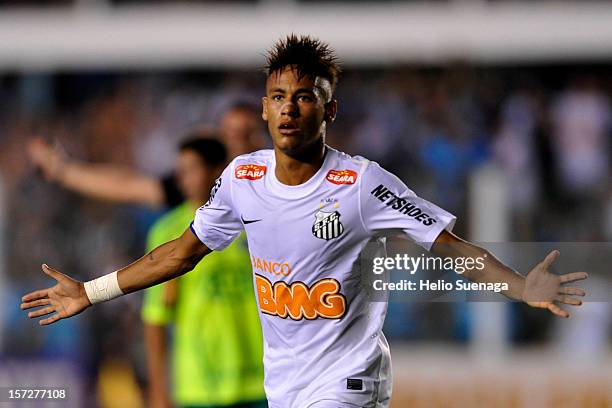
(331, 108)
(264, 105)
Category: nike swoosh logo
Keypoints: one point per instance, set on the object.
(245, 222)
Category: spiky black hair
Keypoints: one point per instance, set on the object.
(307, 55)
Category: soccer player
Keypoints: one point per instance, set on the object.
(308, 211)
(217, 354)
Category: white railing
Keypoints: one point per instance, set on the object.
(364, 34)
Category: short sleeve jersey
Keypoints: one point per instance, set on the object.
(322, 336)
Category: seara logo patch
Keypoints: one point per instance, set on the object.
(341, 177)
(250, 171)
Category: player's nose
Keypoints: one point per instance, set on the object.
(289, 109)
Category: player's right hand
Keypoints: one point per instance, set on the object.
(67, 298)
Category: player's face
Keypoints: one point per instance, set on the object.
(193, 176)
(297, 110)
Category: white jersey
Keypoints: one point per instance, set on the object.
(322, 337)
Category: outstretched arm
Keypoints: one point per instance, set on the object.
(70, 297)
(98, 181)
(539, 288)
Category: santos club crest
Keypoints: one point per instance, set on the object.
(327, 225)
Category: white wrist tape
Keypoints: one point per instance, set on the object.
(103, 288)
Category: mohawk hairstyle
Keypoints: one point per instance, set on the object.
(309, 56)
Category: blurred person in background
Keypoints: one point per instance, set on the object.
(239, 129)
(217, 348)
(581, 120)
(515, 149)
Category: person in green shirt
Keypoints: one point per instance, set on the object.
(217, 347)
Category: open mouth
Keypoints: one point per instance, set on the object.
(288, 128)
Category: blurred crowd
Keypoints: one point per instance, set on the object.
(547, 128)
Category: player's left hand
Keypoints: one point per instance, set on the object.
(543, 289)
